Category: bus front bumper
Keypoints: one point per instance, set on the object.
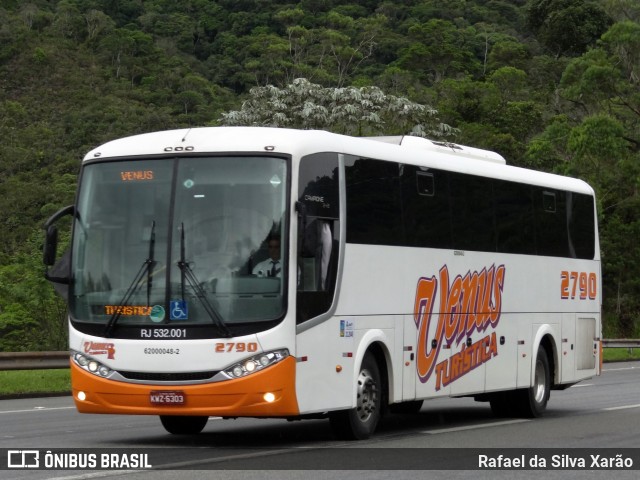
(243, 397)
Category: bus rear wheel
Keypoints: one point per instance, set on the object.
(183, 425)
(526, 402)
(360, 422)
(532, 402)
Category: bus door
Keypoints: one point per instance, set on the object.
(409, 358)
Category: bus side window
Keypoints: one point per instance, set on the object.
(318, 236)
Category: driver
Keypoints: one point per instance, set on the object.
(272, 266)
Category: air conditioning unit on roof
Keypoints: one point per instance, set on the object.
(443, 147)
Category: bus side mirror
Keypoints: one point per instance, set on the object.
(50, 246)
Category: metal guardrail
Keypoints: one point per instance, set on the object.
(53, 360)
(33, 360)
(620, 343)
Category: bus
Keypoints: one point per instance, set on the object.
(263, 272)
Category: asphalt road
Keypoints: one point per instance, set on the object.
(601, 413)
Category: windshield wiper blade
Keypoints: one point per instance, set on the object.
(151, 260)
(147, 267)
(188, 275)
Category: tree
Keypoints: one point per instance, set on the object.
(347, 110)
(507, 53)
(440, 50)
(607, 79)
(32, 317)
(548, 151)
(128, 50)
(97, 23)
(567, 27)
(621, 10)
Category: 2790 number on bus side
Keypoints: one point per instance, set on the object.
(580, 285)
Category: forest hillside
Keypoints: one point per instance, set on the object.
(552, 85)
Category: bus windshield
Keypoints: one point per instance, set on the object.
(184, 241)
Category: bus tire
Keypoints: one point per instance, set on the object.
(360, 422)
(183, 425)
(532, 402)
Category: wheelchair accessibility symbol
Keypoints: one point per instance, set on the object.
(179, 310)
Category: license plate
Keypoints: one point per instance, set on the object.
(167, 398)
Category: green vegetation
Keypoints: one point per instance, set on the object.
(14, 382)
(550, 84)
(620, 354)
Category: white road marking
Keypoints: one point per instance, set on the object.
(473, 427)
(38, 409)
(623, 407)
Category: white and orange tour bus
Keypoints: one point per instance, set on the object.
(262, 272)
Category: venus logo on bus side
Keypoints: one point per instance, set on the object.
(467, 304)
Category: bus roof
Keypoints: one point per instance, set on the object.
(403, 149)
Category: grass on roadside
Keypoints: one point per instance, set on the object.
(620, 354)
(58, 381)
(34, 381)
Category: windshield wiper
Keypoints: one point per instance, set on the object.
(188, 275)
(147, 267)
(151, 261)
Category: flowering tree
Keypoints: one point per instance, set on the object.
(349, 110)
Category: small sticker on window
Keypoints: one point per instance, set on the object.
(179, 310)
(157, 314)
(275, 181)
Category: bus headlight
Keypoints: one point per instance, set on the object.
(256, 363)
(91, 365)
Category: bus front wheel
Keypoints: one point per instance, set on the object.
(183, 425)
(360, 422)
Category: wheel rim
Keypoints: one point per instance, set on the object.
(540, 387)
(367, 396)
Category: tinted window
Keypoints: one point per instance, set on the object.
(581, 225)
(551, 222)
(514, 217)
(472, 212)
(406, 205)
(319, 185)
(425, 207)
(373, 202)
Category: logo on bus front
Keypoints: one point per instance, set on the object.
(99, 348)
(467, 304)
